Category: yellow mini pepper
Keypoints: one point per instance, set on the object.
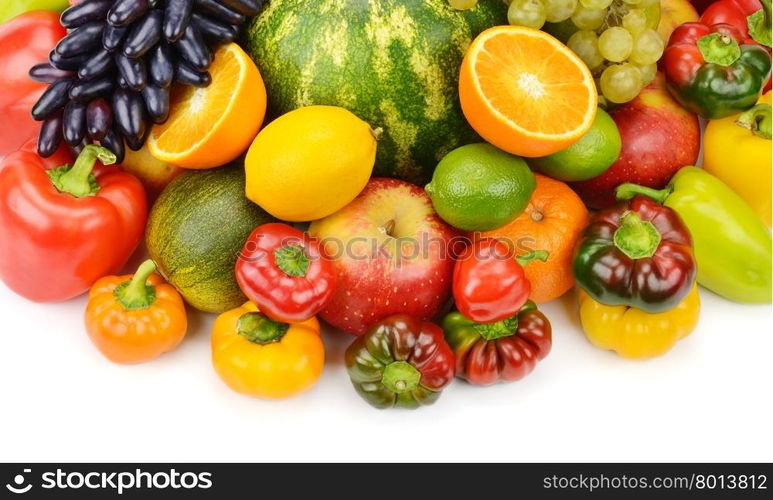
(737, 149)
(633, 333)
(257, 356)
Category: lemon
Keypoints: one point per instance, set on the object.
(310, 163)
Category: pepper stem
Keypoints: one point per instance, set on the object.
(78, 180)
(719, 49)
(759, 24)
(534, 255)
(136, 293)
(497, 330)
(400, 377)
(292, 260)
(758, 120)
(259, 329)
(628, 190)
(636, 238)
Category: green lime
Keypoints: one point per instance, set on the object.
(478, 187)
(589, 157)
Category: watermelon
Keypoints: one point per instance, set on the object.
(195, 231)
(394, 63)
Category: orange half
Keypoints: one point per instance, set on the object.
(525, 92)
(211, 126)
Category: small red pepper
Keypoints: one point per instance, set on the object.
(489, 283)
(284, 272)
(24, 41)
(62, 229)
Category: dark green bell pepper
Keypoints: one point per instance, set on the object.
(732, 245)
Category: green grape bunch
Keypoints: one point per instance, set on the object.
(617, 39)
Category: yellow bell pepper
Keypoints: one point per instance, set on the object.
(737, 149)
(259, 357)
(633, 333)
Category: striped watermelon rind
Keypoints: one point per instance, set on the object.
(394, 63)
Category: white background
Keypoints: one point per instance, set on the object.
(709, 399)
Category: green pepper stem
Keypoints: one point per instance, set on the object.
(292, 260)
(758, 24)
(77, 181)
(758, 120)
(720, 49)
(497, 330)
(636, 238)
(400, 377)
(533, 255)
(259, 329)
(628, 190)
(137, 293)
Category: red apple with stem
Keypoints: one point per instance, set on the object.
(391, 253)
(659, 137)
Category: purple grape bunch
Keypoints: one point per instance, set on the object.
(110, 77)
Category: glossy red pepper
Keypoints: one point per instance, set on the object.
(505, 351)
(24, 41)
(61, 229)
(284, 272)
(735, 12)
(62, 156)
(489, 281)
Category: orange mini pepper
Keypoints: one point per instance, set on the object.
(135, 318)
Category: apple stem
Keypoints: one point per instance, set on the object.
(389, 227)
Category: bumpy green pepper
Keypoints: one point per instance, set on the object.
(732, 245)
(12, 8)
(400, 361)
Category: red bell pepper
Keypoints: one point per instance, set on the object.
(489, 283)
(736, 12)
(284, 272)
(62, 156)
(24, 41)
(61, 229)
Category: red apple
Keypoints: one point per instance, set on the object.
(659, 137)
(391, 255)
(674, 13)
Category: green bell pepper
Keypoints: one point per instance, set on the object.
(732, 244)
(12, 8)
